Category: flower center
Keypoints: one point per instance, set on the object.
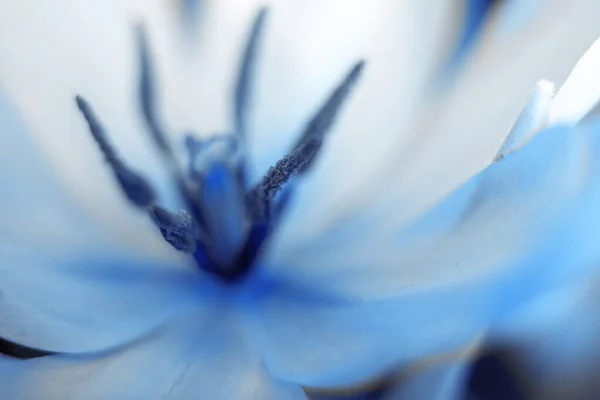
(226, 220)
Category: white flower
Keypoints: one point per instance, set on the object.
(358, 274)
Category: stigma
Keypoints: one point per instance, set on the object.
(225, 220)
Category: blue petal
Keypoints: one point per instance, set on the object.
(203, 353)
(526, 224)
(323, 342)
(64, 285)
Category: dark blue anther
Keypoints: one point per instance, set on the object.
(135, 187)
(304, 151)
(260, 198)
(177, 228)
(244, 80)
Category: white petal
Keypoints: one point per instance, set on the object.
(463, 132)
(308, 48)
(581, 91)
(202, 354)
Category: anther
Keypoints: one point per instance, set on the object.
(177, 228)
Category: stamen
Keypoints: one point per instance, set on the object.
(243, 85)
(147, 101)
(177, 228)
(319, 125)
(305, 150)
(262, 195)
(135, 187)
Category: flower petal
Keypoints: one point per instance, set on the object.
(581, 91)
(201, 354)
(65, 285)
(71, 304)
(463, 130)
(522, 226)
(324, 342)
(534, 117)
(484, 228)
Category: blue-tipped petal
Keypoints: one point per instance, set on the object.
(201, 354)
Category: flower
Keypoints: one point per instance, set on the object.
(318, 301)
